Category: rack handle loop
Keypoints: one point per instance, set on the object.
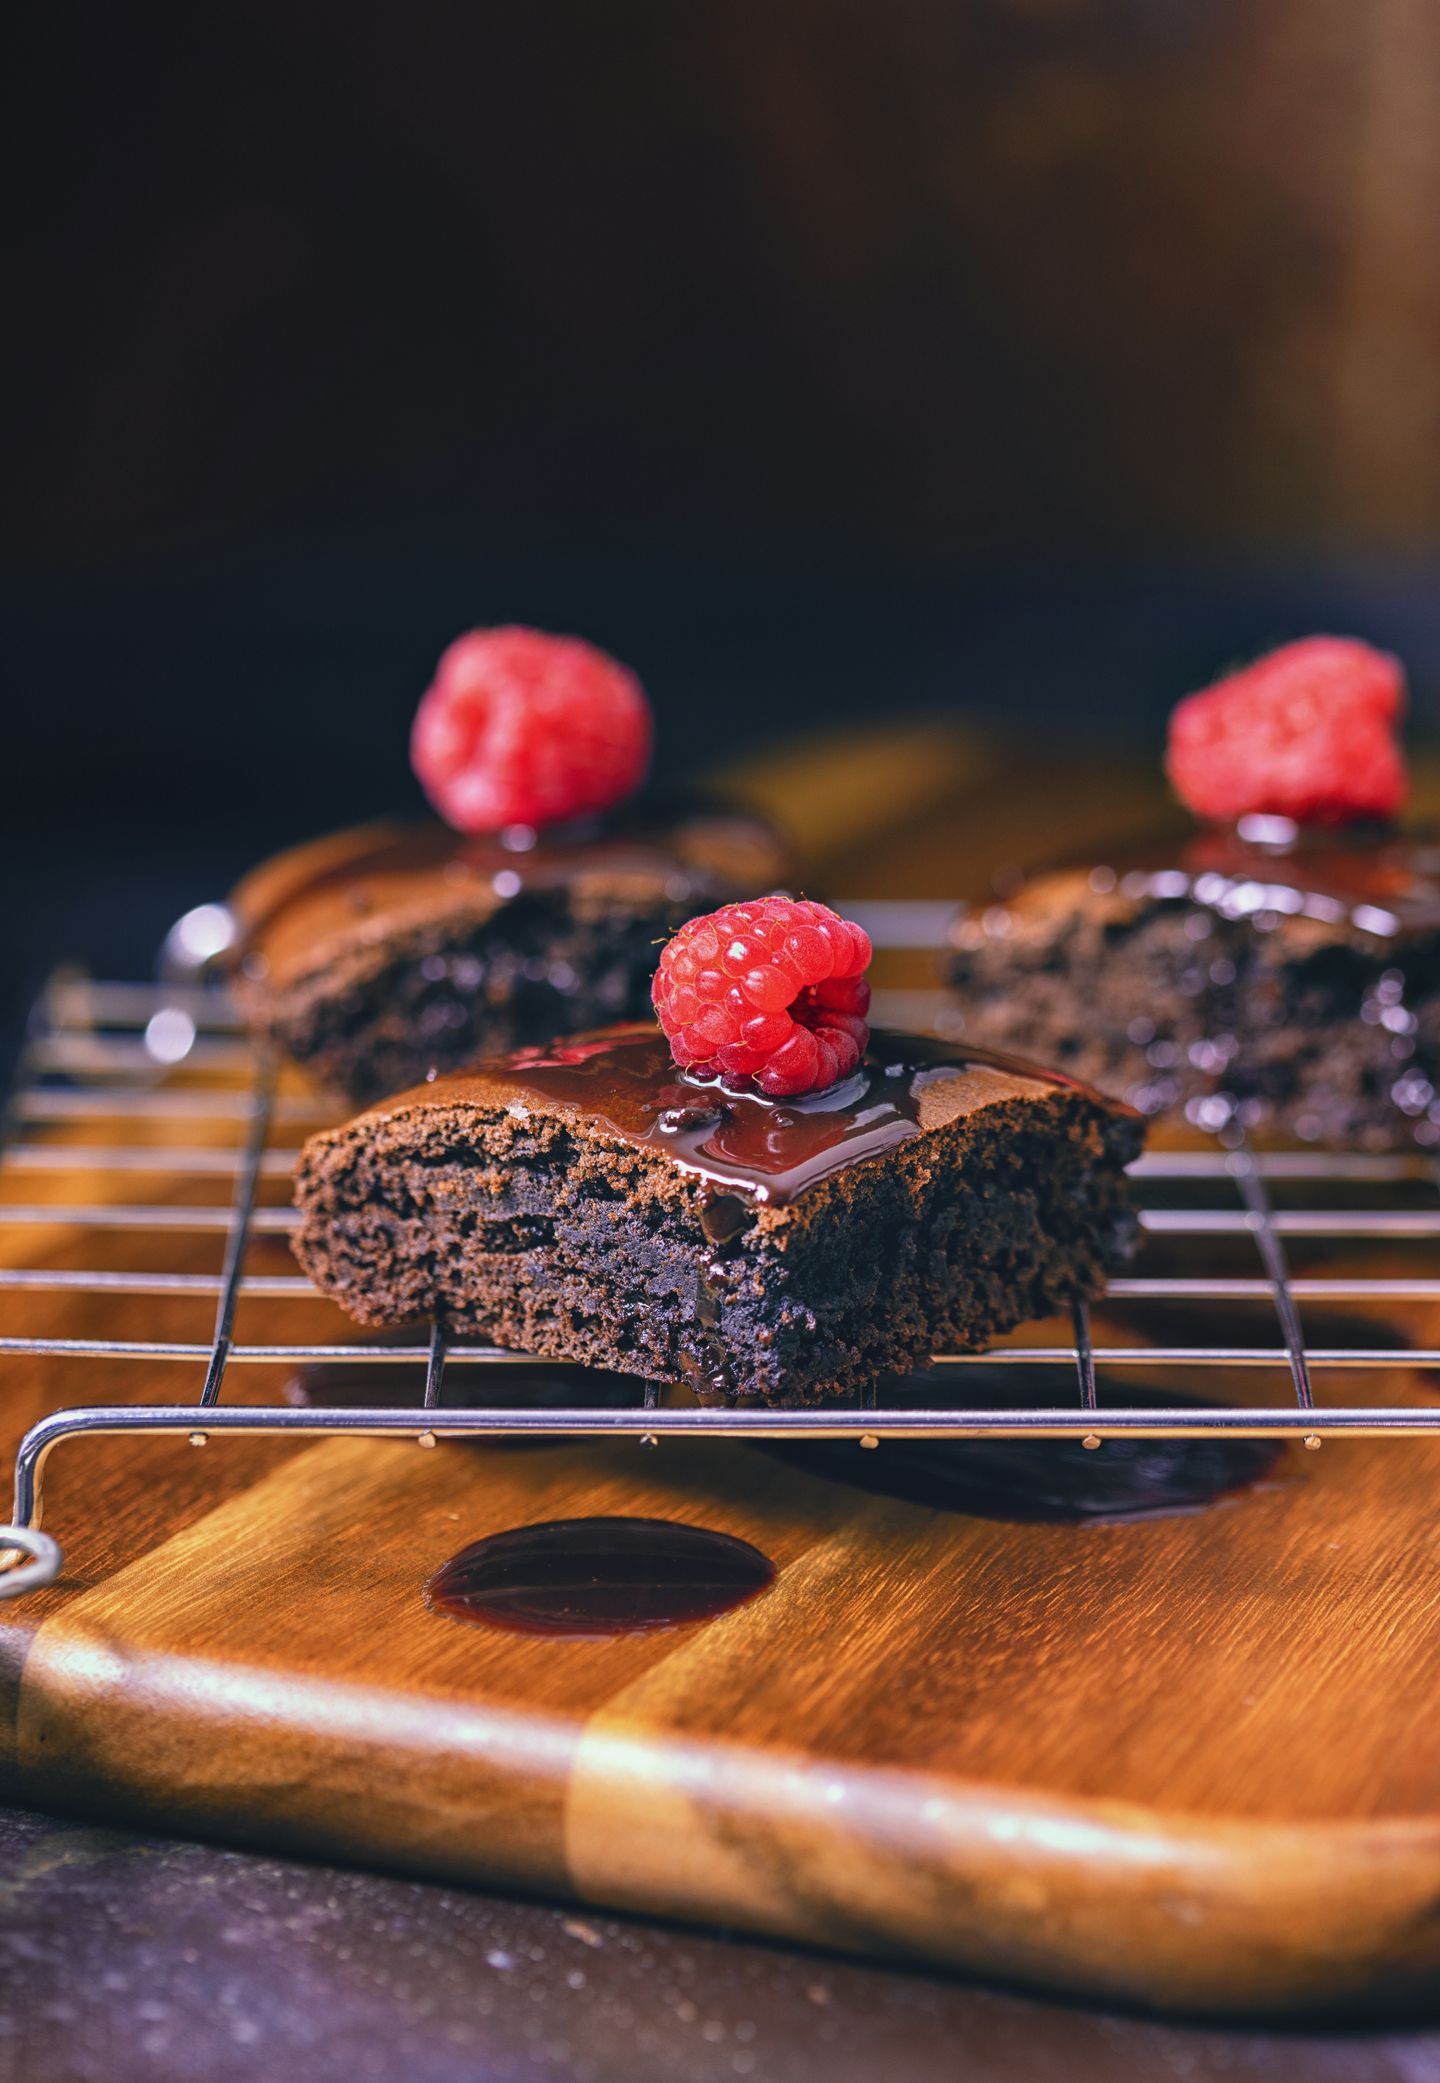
(42, 1564)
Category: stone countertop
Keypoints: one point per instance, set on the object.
(130, 1957)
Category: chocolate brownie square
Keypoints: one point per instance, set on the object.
(593, 1203)
(380, 954)
(1252, 976)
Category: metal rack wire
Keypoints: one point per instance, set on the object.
(143, 1058)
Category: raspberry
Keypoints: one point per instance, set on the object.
(773, 991)
(520, 728)
(1307, 732)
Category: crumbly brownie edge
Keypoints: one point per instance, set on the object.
(444, 991)
(594, 1251)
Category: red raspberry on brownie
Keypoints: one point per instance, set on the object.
(1307, 732)
(520, 728)
(772, 991)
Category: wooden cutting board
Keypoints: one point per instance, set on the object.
(1189, 1761)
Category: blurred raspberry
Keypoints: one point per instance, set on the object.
(520, 728)
(1307, 732)
(772, 990)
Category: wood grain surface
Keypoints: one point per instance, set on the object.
(1187, 1761)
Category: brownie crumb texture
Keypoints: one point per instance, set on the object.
(377, 956)
(1272, 1023)
(550, 1235)
(439, 994)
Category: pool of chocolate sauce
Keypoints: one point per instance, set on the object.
(596, 1577)
(1039, 1481)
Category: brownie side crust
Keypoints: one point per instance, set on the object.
(1272, 993)
(434, 993)
(547, 1229)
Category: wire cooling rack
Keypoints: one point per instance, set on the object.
(132, 1066)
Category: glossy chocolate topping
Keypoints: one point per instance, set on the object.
(365, 880)
(625, 1081)
(1370, 877)
(590, 1577)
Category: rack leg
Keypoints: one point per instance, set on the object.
(30, 1476)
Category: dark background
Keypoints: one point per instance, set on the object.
(823, 358)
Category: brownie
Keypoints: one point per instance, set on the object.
(380, 954)
(594, 1203)
(1255, 977)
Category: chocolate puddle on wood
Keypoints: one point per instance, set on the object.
(1041, 1481)
(595, 1577)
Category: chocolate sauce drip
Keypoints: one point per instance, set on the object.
(710, 1381)
(723, 1218)
(1038, 1481)
(765, 1150)
(599, 1577)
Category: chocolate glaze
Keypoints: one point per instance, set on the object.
(1036, 1481)
(685, 848)
(427, 852)
(599, 1577)
(766, 1151)
(1371, 878)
